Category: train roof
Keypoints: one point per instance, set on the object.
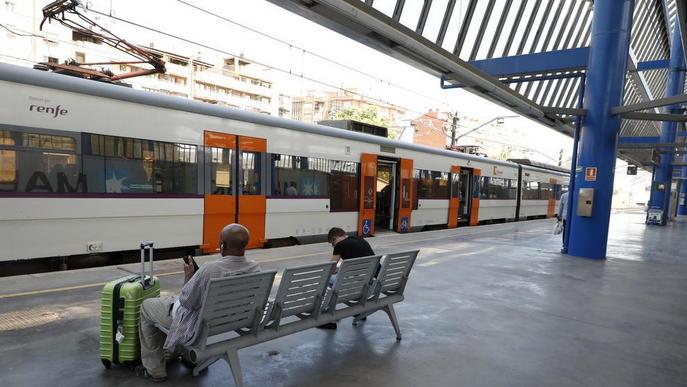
(545, 170)
(28, 76)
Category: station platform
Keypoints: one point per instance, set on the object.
(494, 305)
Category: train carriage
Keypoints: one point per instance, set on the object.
(92, 168)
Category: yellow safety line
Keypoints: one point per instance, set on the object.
(93, 285)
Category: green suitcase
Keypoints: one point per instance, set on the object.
(120, 306)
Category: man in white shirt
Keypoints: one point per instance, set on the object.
(181, 315)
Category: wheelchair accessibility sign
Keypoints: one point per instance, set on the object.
(367, 227)
(404, 224)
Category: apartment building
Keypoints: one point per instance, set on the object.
(317, 106)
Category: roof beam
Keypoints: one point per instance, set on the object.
(653, 65)
(681, 19)
(654, 117)
(652, 145)
(538, 63)
(650, 104)
(637, 140)
(564, 111)
(638, 78)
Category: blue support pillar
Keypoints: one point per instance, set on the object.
(608, 55)
(682, 199)
(663, 178)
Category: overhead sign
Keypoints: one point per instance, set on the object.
(590, 174)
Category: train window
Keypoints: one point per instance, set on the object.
(455, 185)
(127, 165)
(530, 190)
(545, 191)
(558, 190)
(416, 188)
(33, 162)
(343, 186)
(220, 171)
(432, 184)
(250, 173)
(175, 168)
(46, 141)
(8, 163)
(300, 176)
(496, 188)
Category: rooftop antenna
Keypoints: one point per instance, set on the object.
(61, 10)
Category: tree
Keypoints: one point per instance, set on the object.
(368, 115)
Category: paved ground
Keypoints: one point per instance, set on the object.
(486, 306)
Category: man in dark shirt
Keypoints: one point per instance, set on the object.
(345, 247)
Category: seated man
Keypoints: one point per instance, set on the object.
(345, 247)
(181, 315)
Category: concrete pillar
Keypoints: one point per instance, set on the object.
(609, 49)
(663, 178)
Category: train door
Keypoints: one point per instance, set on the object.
(234, 189)
(404, 193)
(368, 194)
(551, 204)
(385, 203)
(252, 203)
(454, 200)
(465, 177)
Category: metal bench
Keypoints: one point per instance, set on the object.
(302, 301)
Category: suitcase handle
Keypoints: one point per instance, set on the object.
(147, 245)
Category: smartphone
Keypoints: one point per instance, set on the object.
(188, 259)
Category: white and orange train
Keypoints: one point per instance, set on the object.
(93, 168)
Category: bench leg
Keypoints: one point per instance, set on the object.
(203, 366)
(389, 309)
(235, 365)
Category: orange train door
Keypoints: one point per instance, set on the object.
(454, 201)
(551, 207)
(368, 194)
(405, 192)
(252, 204)
(234, 189)
(474, 205)
(219, 199)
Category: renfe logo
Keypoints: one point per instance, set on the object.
(54, 111)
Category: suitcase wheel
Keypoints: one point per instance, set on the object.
(106, 363)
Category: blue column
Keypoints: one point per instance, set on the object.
(682, 199)
(609, 49)
(663, 178)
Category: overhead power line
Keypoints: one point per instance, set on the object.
(305, 51)
(285, 71)
(18, 33)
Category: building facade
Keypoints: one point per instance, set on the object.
(227, 81)
(430, 129)
(317, 106)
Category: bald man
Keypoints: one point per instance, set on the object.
(181, 314)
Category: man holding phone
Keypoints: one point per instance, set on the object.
(180, 315)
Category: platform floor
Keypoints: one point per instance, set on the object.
(495, 305)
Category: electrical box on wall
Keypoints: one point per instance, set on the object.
(585, 202)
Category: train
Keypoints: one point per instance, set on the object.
(89, 168)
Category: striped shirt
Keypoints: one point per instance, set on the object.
(186, 312)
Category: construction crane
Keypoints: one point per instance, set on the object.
(61, 11)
